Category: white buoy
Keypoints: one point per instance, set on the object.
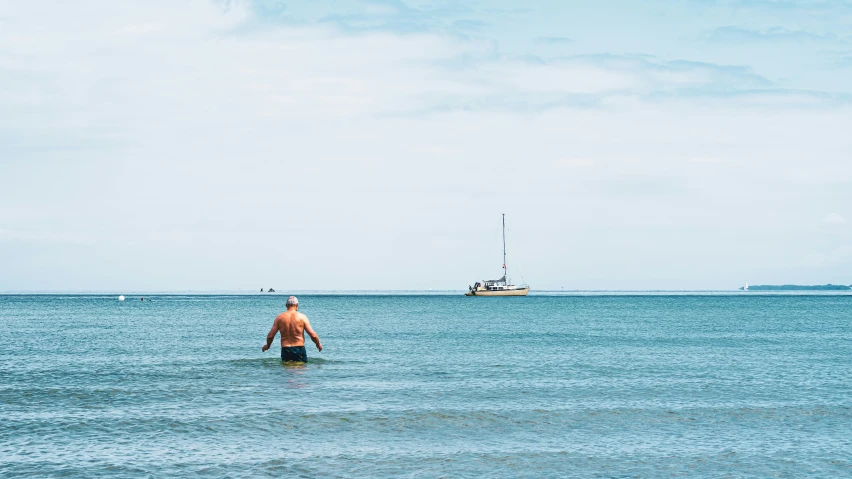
(121, 298)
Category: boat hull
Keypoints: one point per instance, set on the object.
(504, 292)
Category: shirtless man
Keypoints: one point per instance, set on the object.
(292, 324)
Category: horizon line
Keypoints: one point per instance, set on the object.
(237, 292)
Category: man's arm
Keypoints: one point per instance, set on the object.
(312, 334)
(271, 336)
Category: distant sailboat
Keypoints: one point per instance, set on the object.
(502, 286)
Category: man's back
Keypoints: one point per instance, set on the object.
(291, 325)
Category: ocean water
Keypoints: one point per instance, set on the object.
(428, 386)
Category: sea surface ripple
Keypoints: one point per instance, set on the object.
(428, 386)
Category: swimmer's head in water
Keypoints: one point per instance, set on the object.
(292, 301)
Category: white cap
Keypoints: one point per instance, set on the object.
(292, 301)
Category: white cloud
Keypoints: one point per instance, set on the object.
(834, 219)
(139, 28)
(707, 160)
(575, 163)
(196, 137)
(836, 257)
(45, 236)
(815, 259)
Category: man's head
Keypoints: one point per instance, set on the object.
(292, 302)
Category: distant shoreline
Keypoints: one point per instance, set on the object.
(797, 287)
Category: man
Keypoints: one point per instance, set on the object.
(293, 325)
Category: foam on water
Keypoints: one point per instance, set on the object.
(424, 386)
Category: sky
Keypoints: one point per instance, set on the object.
(238, 145)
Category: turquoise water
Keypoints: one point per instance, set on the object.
(428, 386)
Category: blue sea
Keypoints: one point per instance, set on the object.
(614, 386)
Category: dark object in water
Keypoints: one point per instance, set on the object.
(270, 290)
(261, 290)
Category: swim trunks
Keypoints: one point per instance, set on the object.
(294, 353)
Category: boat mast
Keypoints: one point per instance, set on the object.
(505, 268)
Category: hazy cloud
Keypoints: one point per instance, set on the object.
(834, 219)
(469, 25)
(836, 257)
(555, 40)
(242, 143)
(734, 34)
(575, 163)
(707, 160)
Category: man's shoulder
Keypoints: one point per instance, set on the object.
(290, 316)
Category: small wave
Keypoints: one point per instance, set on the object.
(276, 361)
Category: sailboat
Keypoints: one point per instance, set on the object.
(502, 286)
